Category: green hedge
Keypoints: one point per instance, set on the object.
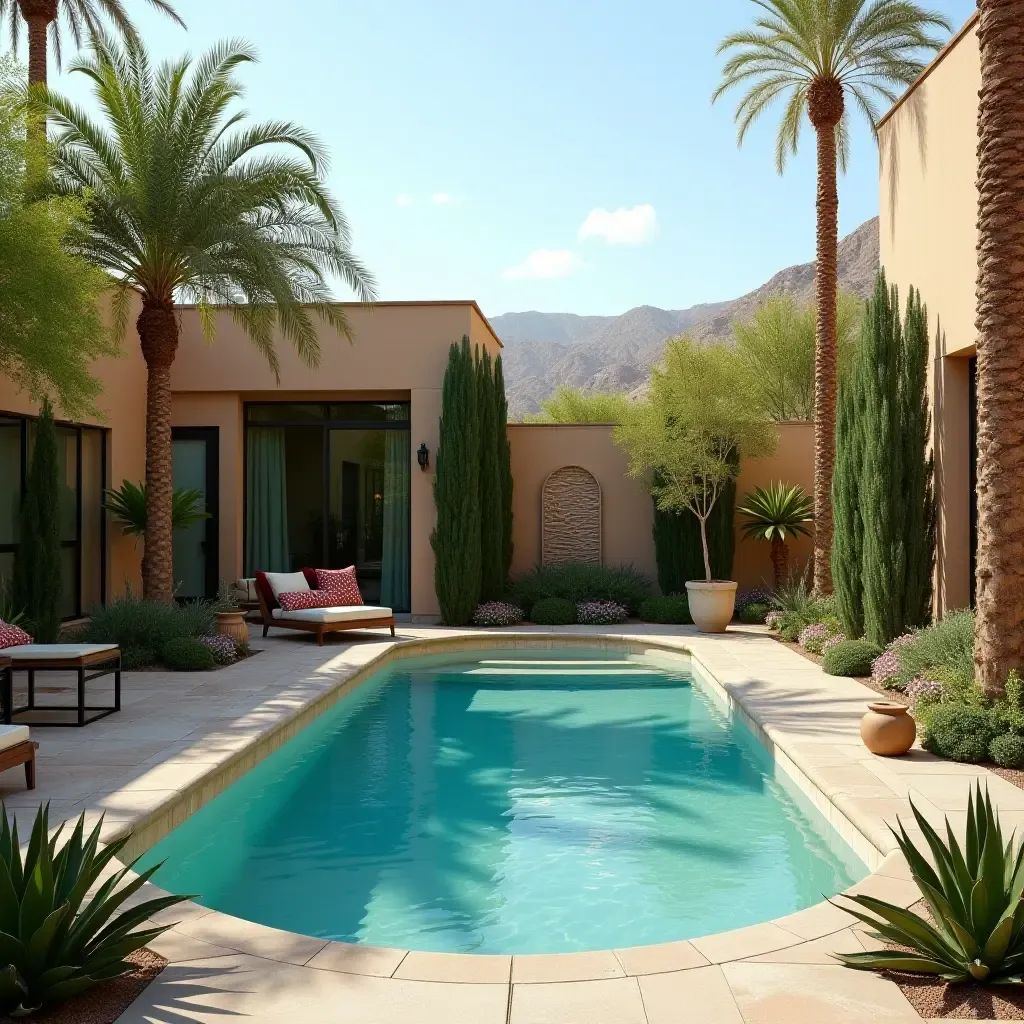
(581, 581)
(553, 611)
(850, 658)
(671, 610)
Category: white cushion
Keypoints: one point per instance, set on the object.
(286, 582)
(12, 735)
(342, 613)
(51, 652)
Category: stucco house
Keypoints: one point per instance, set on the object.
(928, 238)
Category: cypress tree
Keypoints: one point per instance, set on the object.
(492, 567)
(504, 468)
(884, 557)
(918, 464)
(848, 530)
(456, 536)
(37, 570)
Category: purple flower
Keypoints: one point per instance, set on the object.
(224, 648)
(772, 619)
(836, 638)
(923, 691)
(497, 613)
(885, 666)
(601, 613)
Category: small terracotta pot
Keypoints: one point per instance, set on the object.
(232, 624)
(887, 729)
(711, 604)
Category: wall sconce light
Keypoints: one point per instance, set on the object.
(423, 457)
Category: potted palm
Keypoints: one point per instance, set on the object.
(686, 438)
(774, 513)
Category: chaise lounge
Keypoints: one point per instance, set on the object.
(321, 616)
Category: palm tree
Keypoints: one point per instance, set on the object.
(820, 54)
(190, 203)
(999, 644)
(772, 513)
(83, 18)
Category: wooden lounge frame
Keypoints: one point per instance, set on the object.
(321, 629)
(19, 753)
(87, 666)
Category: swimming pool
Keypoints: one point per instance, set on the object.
(513, 802)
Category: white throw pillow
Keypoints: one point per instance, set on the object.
(286, 582)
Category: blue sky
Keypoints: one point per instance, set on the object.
(484, 151)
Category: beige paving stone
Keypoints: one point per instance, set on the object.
(350, 958)
(814, 922)
(565, 967)
(668, 956)
(255, 939)
(700, 996)
(177, 947)
(613, 1001)
(455, 967)
(812, 994)
(817, 951)
(744, 942)
(256, 991)
(900, 891)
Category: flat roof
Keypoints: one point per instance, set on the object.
(930, 67)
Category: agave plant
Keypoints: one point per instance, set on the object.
(773, 513)
(974, 895)
(56, 939)
(127, 504)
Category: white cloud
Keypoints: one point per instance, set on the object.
(403, 200)
(544, 263)
(441, 198)
(621, 227)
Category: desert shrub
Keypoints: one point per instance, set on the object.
(1007, 750)
(833, 641)
(1009, 709)
(757, 596)
(922, 692)
(582, 581)
(959, 732)
(130, 621)
(497, 613)
(134, 657)
(753, 614)
(600, 613)
(850, 658)
(223, 648)
(812, 638)
(553, 611)
(187, 654)
(773, 620)
(947, 643)
(673, 609)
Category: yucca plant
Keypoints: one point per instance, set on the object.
(56, 939)
(773, 513)
(127, 504)
(974, 895)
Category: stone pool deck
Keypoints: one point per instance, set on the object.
(182, 737)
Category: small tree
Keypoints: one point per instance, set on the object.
(492, 569)
(37, 575)
(504, 468)
(773, 512)
(687, 436)
(570, 405)
(456, 537)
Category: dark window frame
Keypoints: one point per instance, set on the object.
(211, 435)
(326, 426)
(79, 429)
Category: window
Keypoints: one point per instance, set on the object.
(82, 479)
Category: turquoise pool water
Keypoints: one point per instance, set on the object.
(526, 802)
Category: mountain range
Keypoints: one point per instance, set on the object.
(544, 351)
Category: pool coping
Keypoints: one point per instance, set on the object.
(206, 929)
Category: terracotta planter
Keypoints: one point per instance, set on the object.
(232, 624)
(887, 729)
(711, 604)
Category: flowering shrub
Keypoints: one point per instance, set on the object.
(755, 596)
(223, 648)
(774, 619)
(923, 691)
(836, 638)
(885, 669)
(813, 637)
(497, 613)
(600, 613)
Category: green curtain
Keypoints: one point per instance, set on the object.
(266, 502)
(394, 582)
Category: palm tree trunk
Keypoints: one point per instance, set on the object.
(825, 108)
(38, 15)
(158, 334)
(999, 640)
(780, 561)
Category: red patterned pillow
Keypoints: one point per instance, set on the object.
(341, 584)
(13, 636)
(296, 600)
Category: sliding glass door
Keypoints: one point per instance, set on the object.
(327, 485)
